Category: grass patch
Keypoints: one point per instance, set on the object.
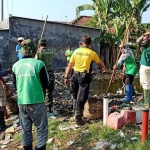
(17, 137)
(89, 134)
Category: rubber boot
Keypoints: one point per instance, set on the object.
(74, 104)
(50, 108)
(129, 91)
(133, 91)
(28, 147)
(78, 117)
(146, 97)
(2, 122)
(41, 148)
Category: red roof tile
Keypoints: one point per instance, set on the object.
(80, 21)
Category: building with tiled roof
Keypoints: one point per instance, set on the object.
(80, 21)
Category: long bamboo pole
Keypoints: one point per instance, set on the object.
(44, 27)
(119, 50)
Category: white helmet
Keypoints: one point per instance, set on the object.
(20, 39)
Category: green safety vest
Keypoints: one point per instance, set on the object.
(69, 52)
(29, 87)
(131, 66)
(46, 57)
(145, 58)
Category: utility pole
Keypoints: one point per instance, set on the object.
(12, 7)
(66, 18)
(2, 10)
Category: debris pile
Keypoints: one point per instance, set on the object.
(6, 137)
(63, 108)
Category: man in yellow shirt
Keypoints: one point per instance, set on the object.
(80, 80)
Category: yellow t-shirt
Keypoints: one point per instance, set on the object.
(82, 59)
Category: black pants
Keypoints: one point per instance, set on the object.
(48, 92)
(80, 89)
(128, 79)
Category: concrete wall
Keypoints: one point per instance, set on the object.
(5, 24)
(58, 36)
(4, 48)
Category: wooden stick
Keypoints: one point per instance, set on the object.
(122, 86)
(61, 84)
(119, 51)
(44, 27)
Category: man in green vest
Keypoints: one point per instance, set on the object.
(68, 54)
(144, 42)
(128, 59)
(45, 54)
(30, 77)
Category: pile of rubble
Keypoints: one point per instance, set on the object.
(13, 125)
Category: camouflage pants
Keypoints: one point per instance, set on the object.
(48, 92)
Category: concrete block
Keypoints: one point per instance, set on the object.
(129, 116)
(115, 120)
(139, 110)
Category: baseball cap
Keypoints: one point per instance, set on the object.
(20, 39)
(27, 47)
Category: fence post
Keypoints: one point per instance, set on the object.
(145, 119)
(105, 109)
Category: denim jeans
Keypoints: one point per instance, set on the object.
(34, 114)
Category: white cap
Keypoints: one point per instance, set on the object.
(20, 39)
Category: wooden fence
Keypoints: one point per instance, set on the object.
(108, 54)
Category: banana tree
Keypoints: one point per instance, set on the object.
(115, 37)
(102, 9)
(122, 9)
(140, 6)
(108, 11)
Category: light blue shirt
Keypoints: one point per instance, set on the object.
(18, 50)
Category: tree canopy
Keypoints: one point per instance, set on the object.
(115, 14)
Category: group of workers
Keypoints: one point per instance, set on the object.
(128, 59)
(81, 60)
(33, 78)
